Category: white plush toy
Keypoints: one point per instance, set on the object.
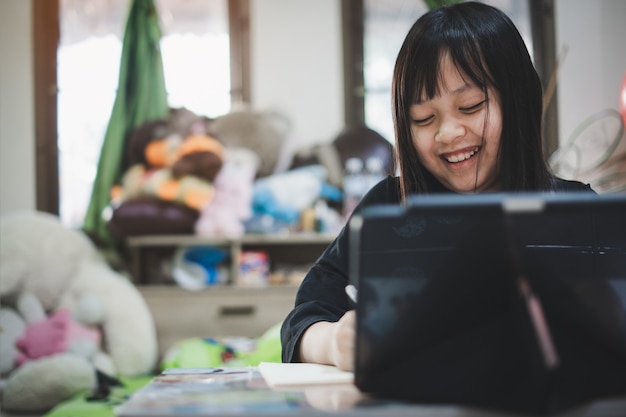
(46, 271)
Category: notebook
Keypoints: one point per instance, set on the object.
(278, 375)
(510, 301)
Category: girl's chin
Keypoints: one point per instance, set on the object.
(473, 187)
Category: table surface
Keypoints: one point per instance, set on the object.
(243, 391)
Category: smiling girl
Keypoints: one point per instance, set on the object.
(467, 106)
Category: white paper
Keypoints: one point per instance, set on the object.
(285, 374)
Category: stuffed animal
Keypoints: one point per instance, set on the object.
(65, 314)
(262, 132)
(167, 175)
(33, 344)
(180, 123)
(176, 169)
(197, 352)
(279, 201)
(232, 203)
(40, 385)
(352, 142)
(57, 333)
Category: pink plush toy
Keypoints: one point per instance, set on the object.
(54, 334)
(232, 201)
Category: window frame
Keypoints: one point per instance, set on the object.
(46, 35)
(542, 19)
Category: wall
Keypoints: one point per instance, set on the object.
(17, 131)
(296, 65)
(595, 63)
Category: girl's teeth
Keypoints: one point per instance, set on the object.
(461, 157)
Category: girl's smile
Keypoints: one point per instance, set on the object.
(461, 156)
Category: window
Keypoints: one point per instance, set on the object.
(202, 49)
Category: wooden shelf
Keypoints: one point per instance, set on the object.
(223, 309)
(257, 239)
(152, 254)
(216, 311)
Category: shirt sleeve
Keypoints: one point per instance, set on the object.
(561, 185)
(321, 296)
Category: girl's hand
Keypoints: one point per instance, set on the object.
(331, 343)
(343, 341)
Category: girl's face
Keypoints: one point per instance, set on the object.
(457, 133)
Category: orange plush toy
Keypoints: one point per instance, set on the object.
(176, 170)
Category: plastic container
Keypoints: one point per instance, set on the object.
(354, 185)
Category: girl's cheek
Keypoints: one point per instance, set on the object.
(424, 140)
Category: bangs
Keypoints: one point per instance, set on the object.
(428, 82)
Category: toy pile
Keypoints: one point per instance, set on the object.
(193, 175)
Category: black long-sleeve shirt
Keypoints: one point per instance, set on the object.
(321, 296)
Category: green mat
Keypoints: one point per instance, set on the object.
(79, 405)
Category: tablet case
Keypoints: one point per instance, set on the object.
(513, 302)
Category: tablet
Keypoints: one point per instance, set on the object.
(511, 301)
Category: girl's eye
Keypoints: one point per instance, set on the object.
(474, 108)
(424, 121)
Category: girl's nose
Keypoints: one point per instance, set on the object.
(449, 130)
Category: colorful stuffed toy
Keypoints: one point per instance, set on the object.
(200, 352)
(177, 170)
(66, 314)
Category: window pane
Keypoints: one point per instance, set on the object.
(196, 60)
(196, 54)
(386, 24)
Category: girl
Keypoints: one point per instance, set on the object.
(467, 104)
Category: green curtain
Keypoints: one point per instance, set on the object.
(141, 96)
(433, 4)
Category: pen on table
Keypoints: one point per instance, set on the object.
(352, 292)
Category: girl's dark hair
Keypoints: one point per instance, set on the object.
(487, 48)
